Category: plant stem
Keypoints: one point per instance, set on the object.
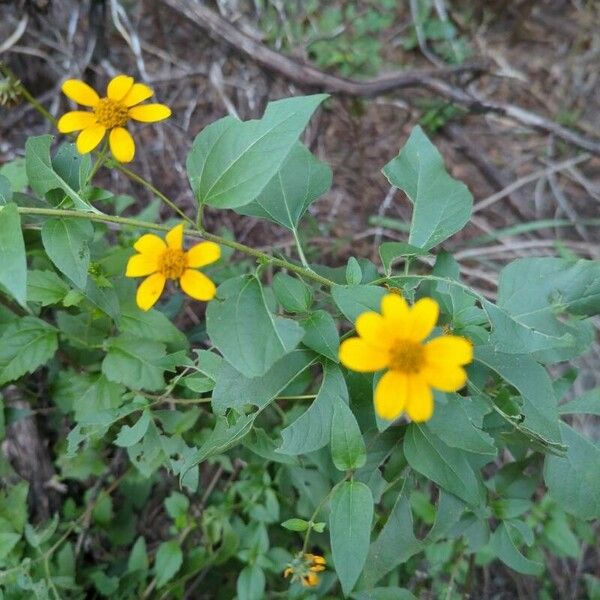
(300, 250)
(190, 232)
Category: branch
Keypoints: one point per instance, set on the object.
(432, 79)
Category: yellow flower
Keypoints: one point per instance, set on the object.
(111, 113)
(304, 568)
(161, 261)
(393, 340)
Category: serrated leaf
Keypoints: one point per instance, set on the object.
(350, 530)
(26, 345)
(45, 287)
(312, 430)
(130, 435)
(441, 204)
(42, 176)
(13, 270)
(168, 561)
(573, 480)
(66, 242)
(446, 466)
(347, 445)
(245, 331)
(354, 300)
(301, 179)
(231, 162)
(321, 334)
(136, 363)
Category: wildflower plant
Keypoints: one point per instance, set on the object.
(323, 428)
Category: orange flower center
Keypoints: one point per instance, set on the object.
(173, 263)
(110, 113)
(407, 356)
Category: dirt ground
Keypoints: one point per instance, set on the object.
(542, 56)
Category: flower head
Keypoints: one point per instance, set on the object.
(111, 113)
(305, 568)
(160, 260)
(394, 340)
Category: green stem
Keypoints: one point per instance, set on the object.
(100, 160)
(139, 179)
(300, 250)
(190, 232)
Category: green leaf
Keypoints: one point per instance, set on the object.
(5, 190)
(138, 557)
(503, 543)
(231, 162)
(245, 331)
(350, 530)
(301, 179)
(26, 345)
(177, 505)
(128, 436)
(45, 288)
(312, 430)
(531, 379)
(390, 251)
(16, 174)
(168, 561)
(535, 292)
(236, 391)
(42, 175)
(459, 424)
(8, 541)
(387, 593)
(354, 300)
(292, 293)
(66, 242)
(295, 525)
(13, 505)
(13, 271)
(446, 466)
(353, 272)
(251, 583)
(321, 334)
(441, 204)
(588, 403)
(135, 362)
(347, 445)
(71, 166)
(573, 480)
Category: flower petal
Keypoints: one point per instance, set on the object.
(150, 243)
(149, 291)
(150, 113)
(119, 87)
(140, 265)
(76, 120)
(175, 237)
(373, 328)
(449, 349)
(358, 355)
(390, 395)
(81, 92)
(419, 402)
(396, 312)
(197, 285)
(203, 254)
(423, 317)
(122, 145)
(138, 93)
(89, 138)
(448, 378)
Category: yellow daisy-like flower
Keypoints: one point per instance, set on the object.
(304, 568)
(159, 261)
(111, 113)
(394, 340)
